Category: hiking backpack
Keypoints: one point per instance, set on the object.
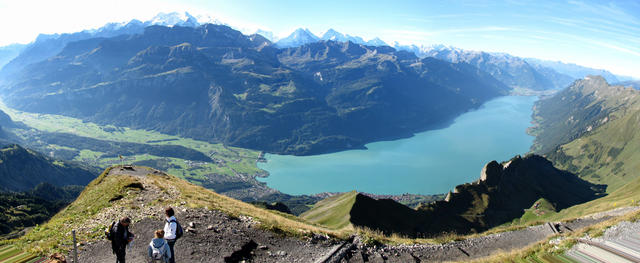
(108, 233)
(157, 253)
(179, 230)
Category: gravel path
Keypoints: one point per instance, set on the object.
(619, 243)
(478, 247)
(216, 236)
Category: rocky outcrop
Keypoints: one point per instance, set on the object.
(499, 196)
(503, 192)
(490, 173)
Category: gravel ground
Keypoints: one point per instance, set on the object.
(618, 233)
(479, 247)
(213, 237)
(216, 237)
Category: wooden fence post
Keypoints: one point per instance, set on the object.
(75, 247)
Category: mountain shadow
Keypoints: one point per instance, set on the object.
(499, 196)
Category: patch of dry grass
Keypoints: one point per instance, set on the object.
(542, 248)
(200, 197)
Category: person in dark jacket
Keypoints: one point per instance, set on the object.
(121, 237)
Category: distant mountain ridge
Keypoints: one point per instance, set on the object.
(573, 70)
(240, 90)
(7, 53)
(303, 36)
(48, 45)
(22, 169)
(538, 75)
(298, 38)
(513, 71)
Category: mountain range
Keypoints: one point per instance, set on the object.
(13, 58)
(573, 70)
(214, 83)
(515, 72)
(301, 37)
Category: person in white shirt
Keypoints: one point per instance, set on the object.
(170, 226)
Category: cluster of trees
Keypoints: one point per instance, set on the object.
(19, 210)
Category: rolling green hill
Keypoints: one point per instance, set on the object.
(591, 129)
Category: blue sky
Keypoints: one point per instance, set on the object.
(600, 34)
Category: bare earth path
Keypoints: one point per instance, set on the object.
(216, 236)
(477, 247)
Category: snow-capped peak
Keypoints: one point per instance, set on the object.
(174, 19)
(298, 38)
(333, 35)
(266, 34)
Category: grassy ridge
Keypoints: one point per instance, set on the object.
(541, 210)
(55, 236)
(333, 212)
(609, 155)
(590, 129)
(85, 214)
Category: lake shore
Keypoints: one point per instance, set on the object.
(431, 162)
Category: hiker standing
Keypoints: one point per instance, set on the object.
(120, 238)
(159, 250)
(172, 231)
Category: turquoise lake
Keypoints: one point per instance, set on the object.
(430, 162)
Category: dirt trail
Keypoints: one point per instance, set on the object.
(217, 236)
(214, 236)
(478, 247)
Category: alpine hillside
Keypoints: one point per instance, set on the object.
(590, 129)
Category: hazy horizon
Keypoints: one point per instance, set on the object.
(597, 34)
